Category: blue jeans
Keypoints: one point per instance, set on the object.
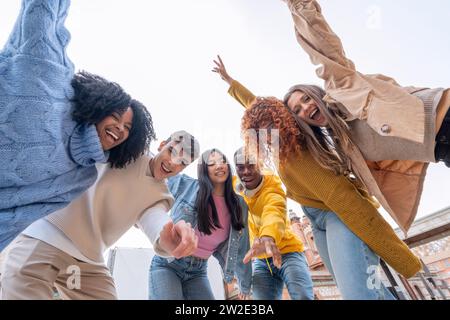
(294, 273)
(350, 261)
(180, 279)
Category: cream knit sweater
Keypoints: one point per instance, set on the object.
(97, 219)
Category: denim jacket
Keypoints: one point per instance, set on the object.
(231, 252)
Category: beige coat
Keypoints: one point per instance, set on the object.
(376, 99)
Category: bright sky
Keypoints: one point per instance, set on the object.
(162, 52)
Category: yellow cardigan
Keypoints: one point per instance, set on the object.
(311, 185)
(268, 217)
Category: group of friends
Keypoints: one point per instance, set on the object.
(76, 173)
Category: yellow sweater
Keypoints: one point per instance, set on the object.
(311, 185)
(267, 215)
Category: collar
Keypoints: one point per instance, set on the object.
(248, 193)
(85, 147)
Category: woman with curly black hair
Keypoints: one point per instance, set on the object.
(54, 124)
(124, 126)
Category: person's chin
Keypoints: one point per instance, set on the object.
(250, 187)
(106, 147)
(164, 175)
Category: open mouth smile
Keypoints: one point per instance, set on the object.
(114, 136)
(165, 169)
(315, 114)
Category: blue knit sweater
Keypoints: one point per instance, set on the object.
(46, 159)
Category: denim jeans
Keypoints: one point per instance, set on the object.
(180, 279)
(294, 273)
(351, 262)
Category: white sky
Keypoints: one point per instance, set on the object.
(161, 52)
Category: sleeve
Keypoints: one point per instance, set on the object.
(318, 40)
(359, 215)
(273, 218)
(173, 184)
(244, 271)
(376, 99)
(39, 31)
(242, 95)
(152, 222)
(179, 183)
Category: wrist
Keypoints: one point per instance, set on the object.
(229, 80)
(160, 249)
(268, 238)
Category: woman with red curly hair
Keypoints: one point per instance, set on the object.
(349, 232)
(384, 133)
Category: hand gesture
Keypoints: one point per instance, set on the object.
(220, 69)
(179, 240)
(267, 246)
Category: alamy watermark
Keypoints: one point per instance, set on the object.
(374, 279)
(255, 142)
(74, 280)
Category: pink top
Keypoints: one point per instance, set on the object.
(207, 244)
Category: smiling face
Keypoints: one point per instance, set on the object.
(249, 174)
(218, 170)
(115, 129)
(169, 161)
(306, 109)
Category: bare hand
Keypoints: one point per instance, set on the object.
(179, 240)
(267, 246)
(220, 69)
(242, 296)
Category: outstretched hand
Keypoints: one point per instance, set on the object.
(267, 246)
(220, 69)
(179, 240)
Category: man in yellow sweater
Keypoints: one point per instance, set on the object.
(278, 251)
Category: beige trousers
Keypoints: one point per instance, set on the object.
(33, 269)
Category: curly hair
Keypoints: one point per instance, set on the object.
(270, 113)
(96, 98)
(294, 135)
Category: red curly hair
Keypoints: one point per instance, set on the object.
(270, 113)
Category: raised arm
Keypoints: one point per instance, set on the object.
(320, 42)
(356, 92)
(242, 95)
(39, 31)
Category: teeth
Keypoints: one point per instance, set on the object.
(165, 168)
(112, 135)
(313, 113)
